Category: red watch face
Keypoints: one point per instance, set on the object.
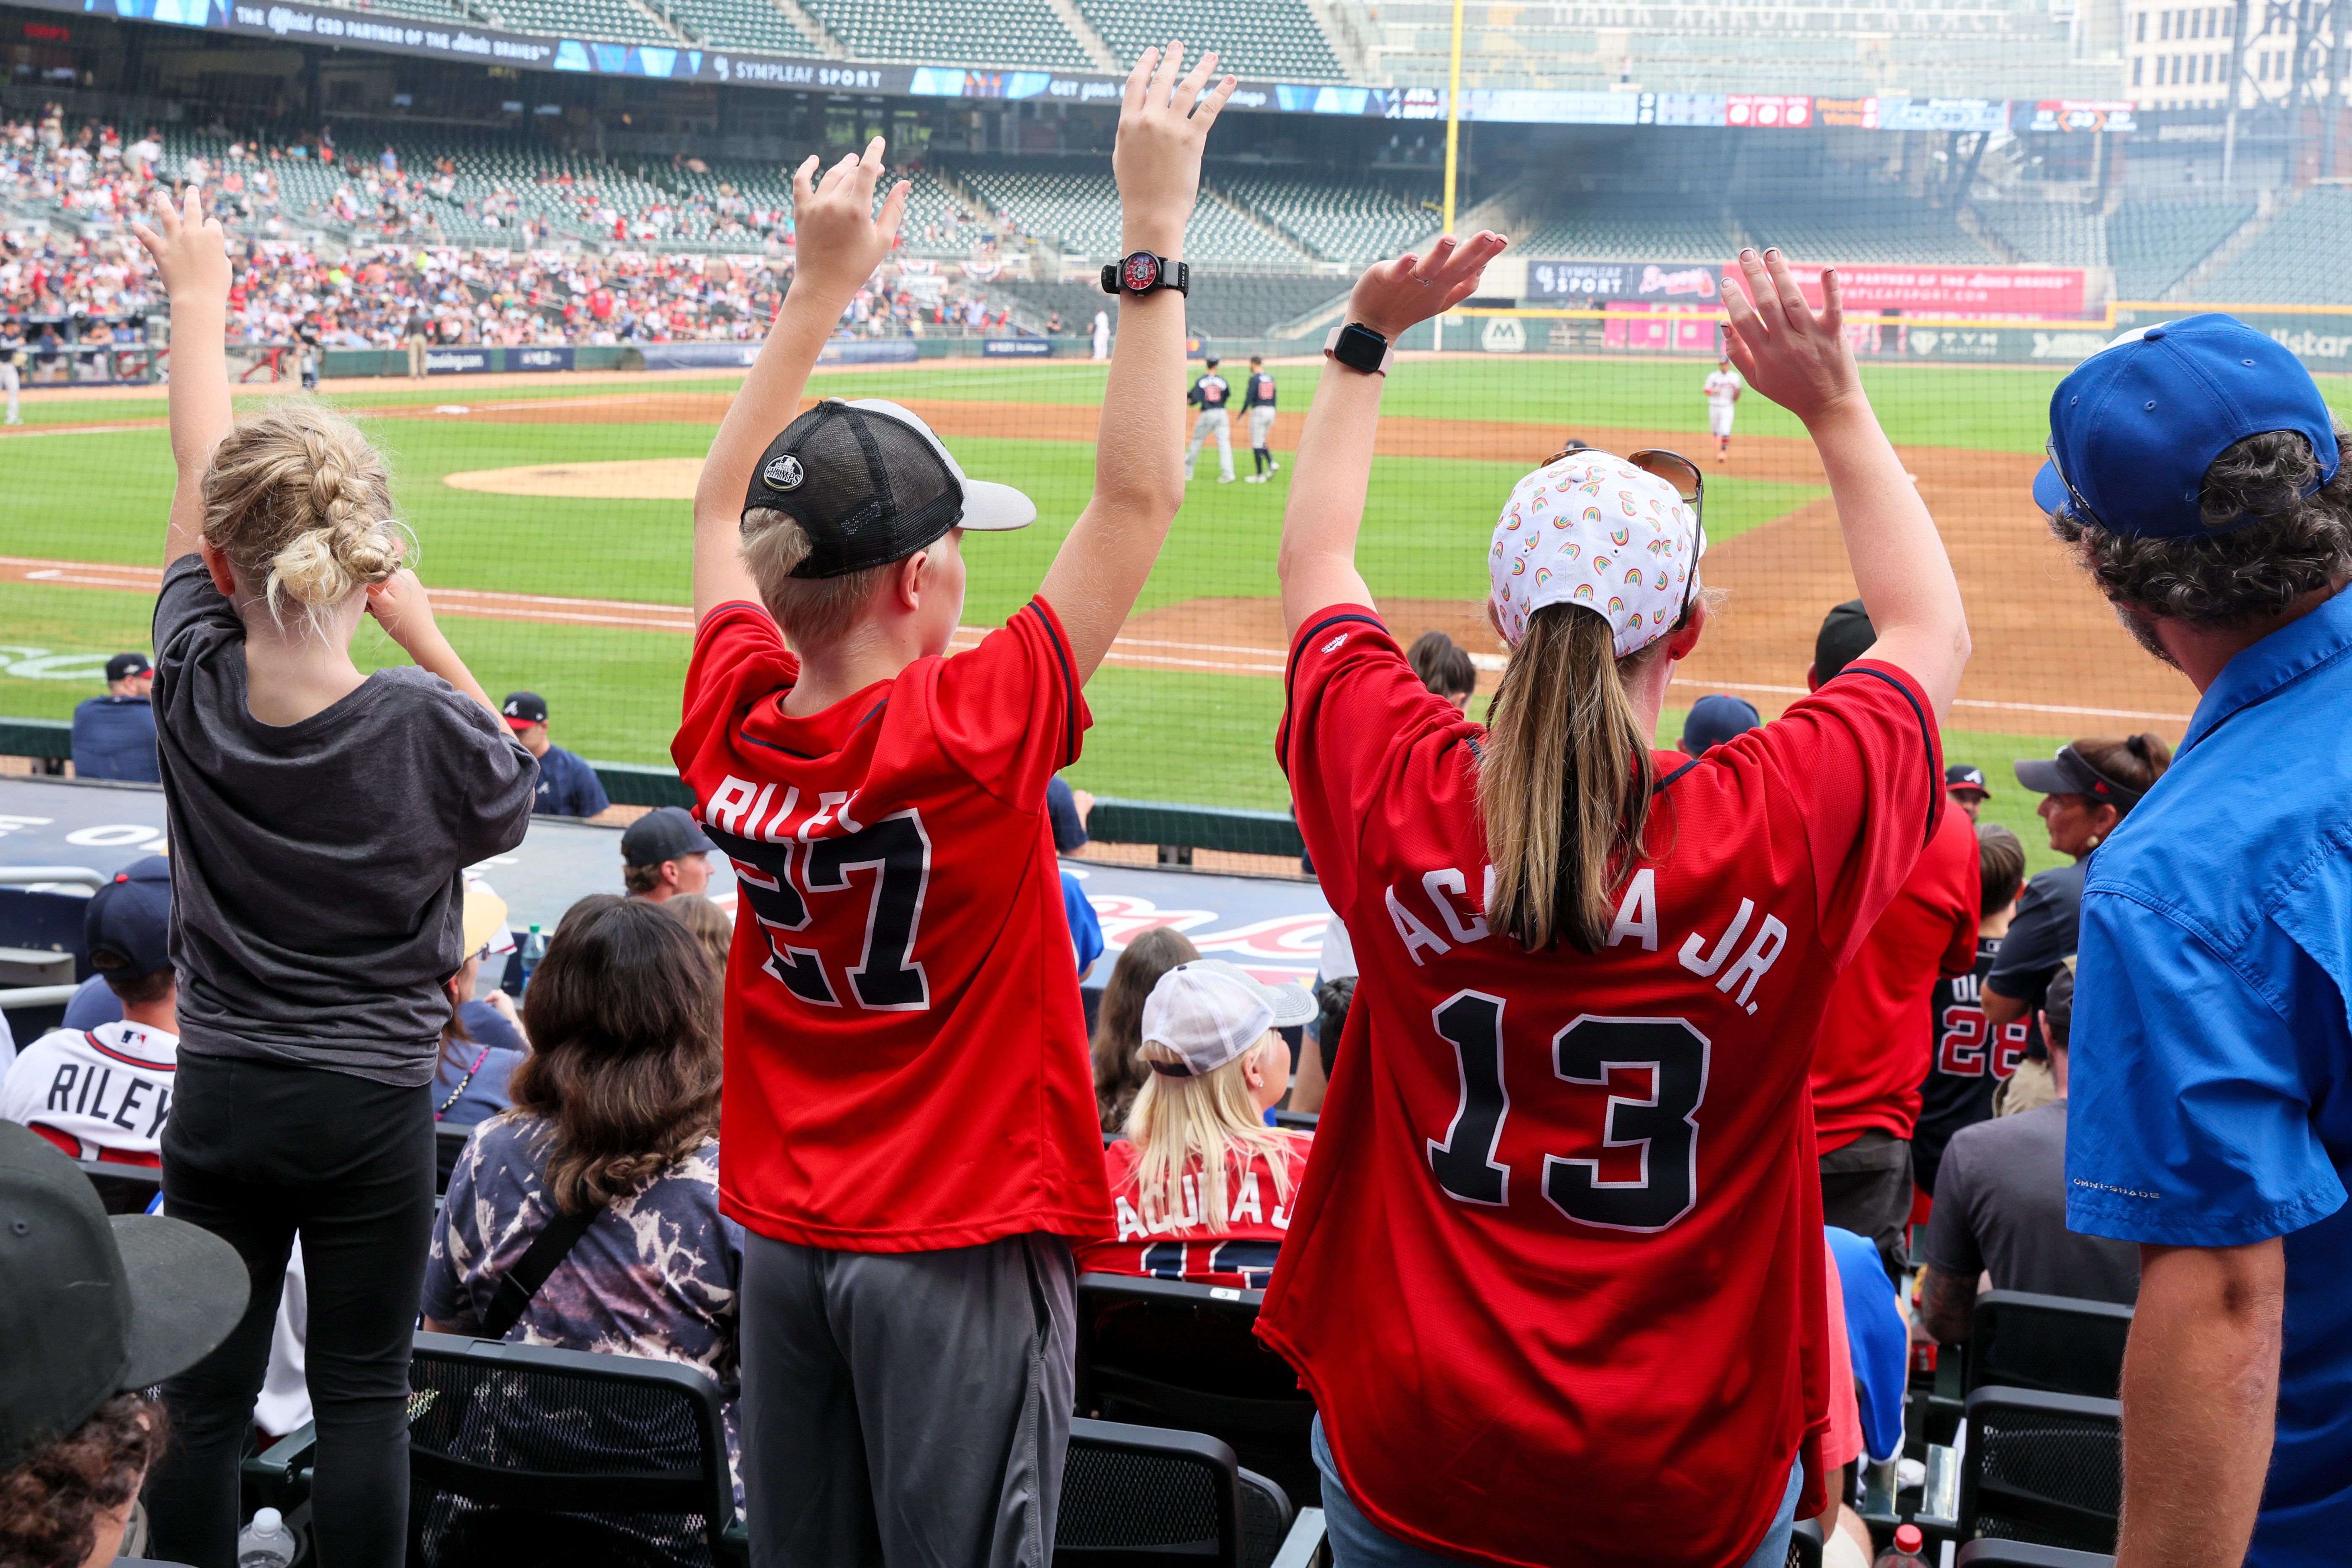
(1138, 272)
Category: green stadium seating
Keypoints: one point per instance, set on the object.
(961, 32)
(1260, 38)
(1226, 306)
(741, 25)
(2294, 262)
(2155, 245)
(2047, 234)
(1074, 200)
(1338, 222)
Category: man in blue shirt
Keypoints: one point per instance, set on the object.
(114, 735)
(2197, 474)
(567, 787)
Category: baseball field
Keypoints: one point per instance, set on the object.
(553, 524)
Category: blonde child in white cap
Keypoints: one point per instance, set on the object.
(1201, 1186)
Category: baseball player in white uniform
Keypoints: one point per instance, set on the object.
(1723, 389)
(12, 349)
(1210, 395)
(1102, 334)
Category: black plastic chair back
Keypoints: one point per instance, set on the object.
(1142, 1497)
(519, 1454)
(2017, 1554)
(1805, 1544)
(123, 1189)
(2043, 1468)
(1171, 1353)
(449, 1142)
(2060, 1344)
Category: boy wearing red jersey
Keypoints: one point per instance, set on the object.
(908, 1130)
(1560, 1233)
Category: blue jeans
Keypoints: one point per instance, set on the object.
(1358, 1543)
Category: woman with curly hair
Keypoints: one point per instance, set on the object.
(615, 1115)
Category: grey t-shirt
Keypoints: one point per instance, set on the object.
(2000, 1205)
(317, 899)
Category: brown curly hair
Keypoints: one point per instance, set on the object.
(624, 1017)
(2242, 569)
(50, 1505)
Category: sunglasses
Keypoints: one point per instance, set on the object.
(2080, 508)
(1683, 475)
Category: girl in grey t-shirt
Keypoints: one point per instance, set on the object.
(321, 820)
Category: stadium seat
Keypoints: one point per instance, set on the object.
(447, 1142)
(1805, 1544)
(1173, 1353)
(1138, 1496)
(123, 1189)
(1262, 38)
(2154, 245)
(2018, 1555)
(2043, 1468)
(2279, 269)
(2059, 1345)
(973, 32)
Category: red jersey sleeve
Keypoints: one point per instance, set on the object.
(739, 657)
(1009, 712)
(1354, 711)
(1863, 762)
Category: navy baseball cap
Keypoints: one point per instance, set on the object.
(2134, 426)
(666, 833)
(123, 665)
(127, 924)
(1714, 719)
(1965, 776)
(2068, 773)
(522, 708)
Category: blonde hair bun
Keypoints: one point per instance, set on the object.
(300, 503)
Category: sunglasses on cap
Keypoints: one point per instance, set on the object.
(2076, 504)
(1683, 476)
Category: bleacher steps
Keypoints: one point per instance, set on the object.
(1104, 57)
(812, 29)
(1976, 228)
(1347, 44)
(2270, 205)
(653, 12)
(1259, 221)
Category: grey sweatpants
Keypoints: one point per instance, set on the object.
(910, 1408)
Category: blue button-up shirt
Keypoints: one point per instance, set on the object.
(2212, 1060)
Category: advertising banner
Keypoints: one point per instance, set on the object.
(1016, 347)
(538, 359)
(1942, 114)
(457, 362)
(2023, 292)
(1768, 111)
(2070, 114)
(1673, 284)
(1662, 331)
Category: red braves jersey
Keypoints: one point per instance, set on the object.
(1871, 1054)
(906, 1051)
(1144, 1240)
(98, 1094)
(1561, 1234)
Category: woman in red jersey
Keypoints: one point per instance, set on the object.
(1555, 1274)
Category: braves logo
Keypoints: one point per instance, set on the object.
(1333, 646)
(782, 473)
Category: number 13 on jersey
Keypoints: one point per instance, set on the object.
(1591, 1052)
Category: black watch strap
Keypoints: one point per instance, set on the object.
(1173, 275)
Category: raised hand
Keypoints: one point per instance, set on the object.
(839, 240)
(1163, 124)
(191, 250)
(1780, 347)
(1394, 295)
(401, 603)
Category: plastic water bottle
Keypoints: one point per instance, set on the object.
(534, 948)
(1909, 1550)
(266, 1542)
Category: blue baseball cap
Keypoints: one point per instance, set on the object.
(128, 925)
(2133, 428)
(1717, 718)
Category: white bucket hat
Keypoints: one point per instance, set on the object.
(1209, 1012)
(1591, 529)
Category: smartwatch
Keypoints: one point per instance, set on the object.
(1143, 273)
(1359, 348)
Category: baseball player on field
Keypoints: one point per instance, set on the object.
(909, 1117)
(1723, 389)
(1210, 395)
(1257, 402)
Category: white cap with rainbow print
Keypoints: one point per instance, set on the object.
(1593, 530)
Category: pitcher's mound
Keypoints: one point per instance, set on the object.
(637, 478)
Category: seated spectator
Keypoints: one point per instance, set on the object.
(481, 1045)
(567, 787)
(1444, 667)
(615, 1124)
(1964, 787)
(1086, 926)
(1968, 1058)
(1068, 809)
(1119, 1018)
(114, 735)
(102, 1093)
(1878, 1341)
(2001, 1208)
(1200, 1186)
(709, 923)
(1716, 718)
(662, 854)
(97, 1312)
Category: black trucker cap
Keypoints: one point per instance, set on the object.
(871, 484)
(2068, 773)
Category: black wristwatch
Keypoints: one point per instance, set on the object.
(1358, 347)
(1142, 273)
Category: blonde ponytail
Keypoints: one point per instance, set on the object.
(300, 504)
(1208, 1118)
(1564, 782)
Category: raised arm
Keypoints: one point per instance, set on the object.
(840, 243)
(1801, 361)
(192, 254)
(1318, 563)
(1139, 444)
